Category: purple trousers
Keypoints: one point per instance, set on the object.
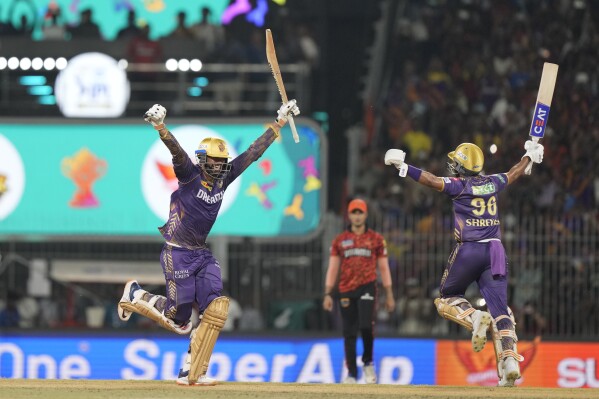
(192, 276)
(471, 261)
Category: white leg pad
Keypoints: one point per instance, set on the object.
(148, 309)
(508, 372)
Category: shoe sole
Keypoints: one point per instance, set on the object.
(197, 384)
(511, 378)
(479, 338)
(123, 313)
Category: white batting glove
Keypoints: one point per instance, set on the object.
(155, 115)
(290, 108)
(534, 151)
(395, 157)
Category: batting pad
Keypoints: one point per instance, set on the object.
(451, 311)
(205, 336)
(148, 310)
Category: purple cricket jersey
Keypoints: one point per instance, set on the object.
(475, 208)
(195, 204)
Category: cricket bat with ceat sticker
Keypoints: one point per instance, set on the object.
(271, 56)
(543, 105)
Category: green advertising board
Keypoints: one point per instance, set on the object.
(98, 178)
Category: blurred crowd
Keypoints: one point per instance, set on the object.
(469, 72)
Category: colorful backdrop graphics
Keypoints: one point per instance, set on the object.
(161, 15)
(260, 360)
(116, 179)
(546, 364)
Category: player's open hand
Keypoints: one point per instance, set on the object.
(155, 115)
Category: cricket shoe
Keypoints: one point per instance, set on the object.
(350, 380)
(202, 380)
(369, 374)
(130, 293)
(511, 372)
(480, 324)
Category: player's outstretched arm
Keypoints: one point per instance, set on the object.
(396, 158)
(534, 153)
(181, 162)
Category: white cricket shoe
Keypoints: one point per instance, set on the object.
(480, 324)
(202, 381)
(131, 288)
(369, 374)
(349, 380)
(511, 372)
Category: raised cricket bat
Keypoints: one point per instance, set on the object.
(541, 114)
(271, 56)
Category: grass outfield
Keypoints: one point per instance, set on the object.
(115, 389)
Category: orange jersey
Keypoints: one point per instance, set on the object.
(358, 254)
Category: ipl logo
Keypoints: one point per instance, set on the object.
(84, 168)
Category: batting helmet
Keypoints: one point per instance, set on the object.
(466, 160)
(218, 150)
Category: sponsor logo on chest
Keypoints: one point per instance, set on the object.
(488, 188)
(210, 199)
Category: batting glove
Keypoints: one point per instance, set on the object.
(287, 109)
(534, 151)
(395, 157)
(155, 115)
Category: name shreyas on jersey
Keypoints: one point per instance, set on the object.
(211, 199)
(365, 252)
(482, 222)
(488, 188)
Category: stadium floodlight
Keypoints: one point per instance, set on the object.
(3, 63)
(25, 64)
(37, 63)
(13, 63)
(49, 64)
(184, 65)
(195, 65)
(171, 65)
(61, 63)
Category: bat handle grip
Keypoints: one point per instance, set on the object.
(293, 128)
(528, 169)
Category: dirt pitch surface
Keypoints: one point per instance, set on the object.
(98, 389)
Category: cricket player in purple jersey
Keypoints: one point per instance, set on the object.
(192, 274)
(479, 254)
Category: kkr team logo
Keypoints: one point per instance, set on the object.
(84, 169)
(12, 177)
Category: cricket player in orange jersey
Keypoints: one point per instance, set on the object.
(355, 255)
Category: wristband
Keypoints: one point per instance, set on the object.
(414, 173)
(327, 294)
